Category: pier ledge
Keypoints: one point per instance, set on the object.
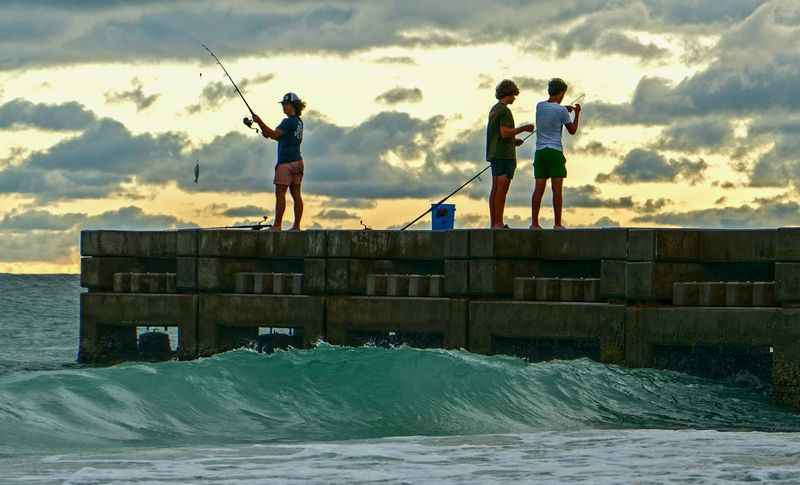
(716, 303)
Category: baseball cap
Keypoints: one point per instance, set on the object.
(289, 98)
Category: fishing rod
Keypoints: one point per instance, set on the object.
(252, 113)
(445, 199)
(255, 227)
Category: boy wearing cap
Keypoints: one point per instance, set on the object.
(501, 149)
(549, 161)
(289, 166)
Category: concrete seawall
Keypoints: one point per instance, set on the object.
(718, 303)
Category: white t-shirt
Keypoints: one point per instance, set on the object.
(550, 118)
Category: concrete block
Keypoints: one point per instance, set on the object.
(418, 285)
(376, 284)
(171, 285)
(297, 284)
(446, 316)
(338, 244)
(315, 244)
(712, 294)
(218, 274)
(677, 245)
(127, 311)
(787, 282)
(787, 245)
(456, 244)
(291, 244)
(525, 289)
(591, 289)
(737, 245)
(583, 244)
(397, 285)
(281, 283)
(218, 312)
(262, 283)
(518, 319)
(437, 285)
(495, 277)
(612, 279)
(122, 282)
(571, 289)
(639, 281)
(398, 245)
(686, 294)
(188, 241)
(142, 244)
(456, 277)
(245, 283)
(481, 243)
(517, 243)
(764, 293)
(97, 273)
(641, 244)
(548, 289)
(229, 243)
(314, 271)
(186, 273)
(738, 294)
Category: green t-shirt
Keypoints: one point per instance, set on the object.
(497, 147)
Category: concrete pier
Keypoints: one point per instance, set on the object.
(717, 303)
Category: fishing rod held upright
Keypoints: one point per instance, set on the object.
(252, 113)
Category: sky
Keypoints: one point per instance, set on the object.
(691, 115)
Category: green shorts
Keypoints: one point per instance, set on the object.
(504, 166)
(549, 163)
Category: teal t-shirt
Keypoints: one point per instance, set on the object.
(497, 147)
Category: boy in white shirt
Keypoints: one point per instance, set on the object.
(549, 161)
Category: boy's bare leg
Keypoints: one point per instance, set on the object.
(280, 206)
(536, 202)
(297, 197)
(500, 192)
(558, 202)
(492, 212)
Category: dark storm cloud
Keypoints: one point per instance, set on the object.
(400, 95)
(135, 95)
(20, 113)
(124, 32)
(641, 165)
(696, 134)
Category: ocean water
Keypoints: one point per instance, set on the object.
(362, 415)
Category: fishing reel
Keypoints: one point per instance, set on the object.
(249, 123)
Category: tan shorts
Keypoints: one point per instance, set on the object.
(289, 173)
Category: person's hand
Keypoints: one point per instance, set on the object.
(577, 108)
(519, 141)
(569, 109)
(257, 118)
(529, 128)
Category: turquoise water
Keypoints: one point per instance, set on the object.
(345, 415)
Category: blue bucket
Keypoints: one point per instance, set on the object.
(443, 217)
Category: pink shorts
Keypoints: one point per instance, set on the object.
(289, 173)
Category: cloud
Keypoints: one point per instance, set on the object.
(135, 96)
(395, 60)
(641, 165)
(171, 31)
(39, 235)
(745, 216)
(336, 214)
(348, 203)
(400, 95)
(20, 113)
(216, 93)
(697, 134)
(653, 205)
(244, 211)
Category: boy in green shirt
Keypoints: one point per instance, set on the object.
(501, 149)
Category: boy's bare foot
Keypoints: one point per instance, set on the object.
(275, 228)
(535, 227)
(497, 226)
(559, 227)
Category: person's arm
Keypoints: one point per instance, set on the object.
(266, 131)
(572, 128)
(509, 132)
